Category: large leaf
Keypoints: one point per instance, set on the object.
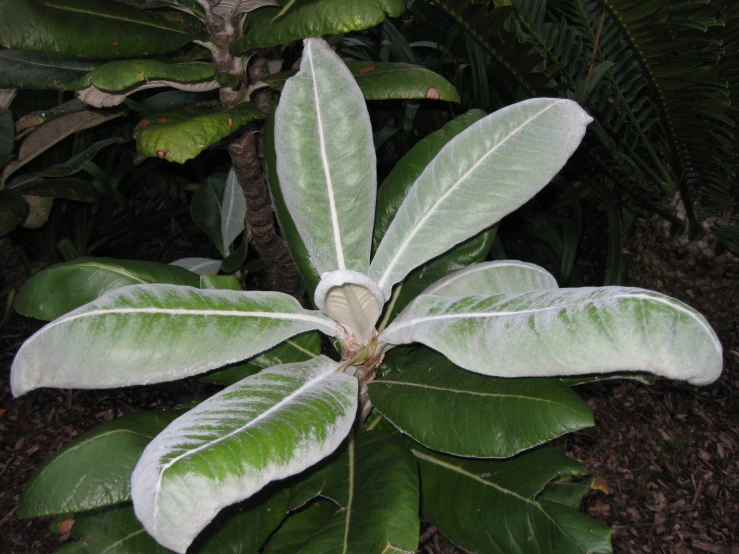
(388, 81)
(296, 349)
(13, 210)
(94, 470)
(113, 531)
(87, 29)
(374, 481)
(100, 99)
(219, 209)
(324, 17)
(120, 75)
(565, 332)
(500, 512)
(201, 266)
(40, 71)
(7, 135)
(144, 334)
(62, 288)
(266, 427)
(458, 412)
(481, 175)
(183, 134)
(326, 160)
(50, 133)
(299, 527)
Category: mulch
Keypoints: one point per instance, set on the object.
(669, 453)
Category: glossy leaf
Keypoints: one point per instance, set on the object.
(320, 123)
(374, 481)
(13, 210)
(297, 349)
(290, 233)
(88, 29)
(507, 277)
(388, 81)
(299, 527)
(219, 209)
(324, 17)
(395, 187)
(143, 334)
(7, 135)
(201, 266)
(120, 75)
(31, 70)
(220, 282)
(94, 470)
(565, 332)
(114, 531)
(458, 412)
(62, 288)
(50, 133)
(500, 512)
(268, 426)
(481, 175)
(183, 134)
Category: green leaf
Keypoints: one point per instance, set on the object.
(62, 288)
(458, 412)
(500, 512)
(297, 349)
(243, 528)
(565, 332)
(34, 119)
(50, 133)
(181, 135)
(388, 81)
(646, 378)
(268, 426)
(481, 175)
(201, 266)
(144, 334)
(395, 187)
(87, 29)
(30, 70)
(94, 470)
(299, 527)
(220, 282)
(325, 17)
(374, 481)
(290, 233)
(120, 75)
(320, 123)
(13, 210)
(219, 209)
(7, 135)
(114, 531)
(567, 492)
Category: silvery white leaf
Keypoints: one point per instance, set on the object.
(507, 276)
(201, 266)
(485, 172)
(153, 333)
(565, 332)
(233, 210)
(326, 160)
(266, 427)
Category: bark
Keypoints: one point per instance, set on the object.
(280, 274)
(11, 266)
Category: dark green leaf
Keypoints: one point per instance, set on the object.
(13, 210)
(567, 492)
(499, 511)
(94, 470)
(218, 208)
(62, 288)
(7, 134)
(317, 19)
(387, 81)
(120, 75)
(69, 189)
(114, 531)
(223, 282)
(88, 29)
(34, 119)
(298, 349)
(181, 135)
(41, 71)
(458, 412)
(299, 527)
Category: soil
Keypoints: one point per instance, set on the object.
(669, 452)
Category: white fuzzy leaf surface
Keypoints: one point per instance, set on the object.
(326, 160)
(201, 266)
(565, 332)
(508, 276)
(352, 299)
(485, 172)
(266, 427)
(152, 333)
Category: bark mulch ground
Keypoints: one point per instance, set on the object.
(669, 453)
